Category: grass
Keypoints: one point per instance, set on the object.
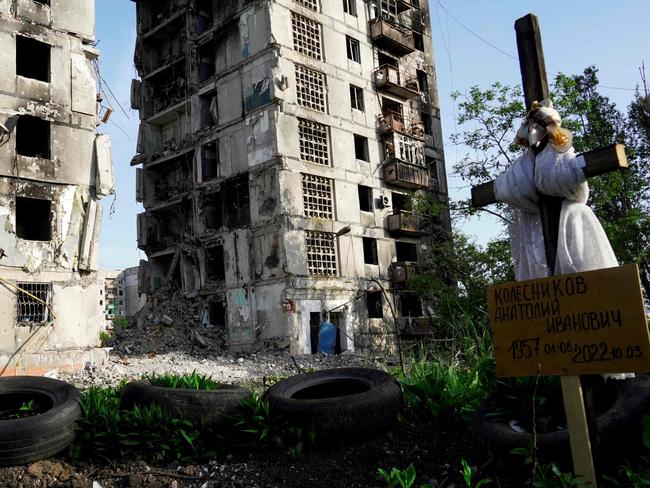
(189, 381)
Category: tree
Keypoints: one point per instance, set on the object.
(620, 200)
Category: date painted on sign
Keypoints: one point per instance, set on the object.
(590, 322)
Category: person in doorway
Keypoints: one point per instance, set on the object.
(326, 336)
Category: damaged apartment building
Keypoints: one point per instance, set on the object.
(54, 168)
(279, 143)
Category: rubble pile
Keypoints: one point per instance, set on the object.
(169, 321)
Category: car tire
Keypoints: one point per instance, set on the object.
(616, 426)
(345, 403)
(28, 439)
(208, 407)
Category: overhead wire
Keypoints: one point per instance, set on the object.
(506, 53)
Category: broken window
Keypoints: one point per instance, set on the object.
(418, 41)
(237, 202)
(32, 59)
(375, 305)
(317, 196)
(217, 314)
(425, 118)
(410, 305)
(365, 198)
(312, 4)
(388, 9)
(400, 202)
(385, 59)
(33, 137)
(432, 165)
(207, 61)
(361, 147)
(370, 251)
(423, 81)
(353, 49)
(213, 212)
(307, 36)
(350, 7)
(314, 142)
(210, 163)
(34, 303)
(33, 219)
(215, 266)
(321, 253)
(209, 110)
(406, 251)
(356, 98)
(310, 88)
(204, 15)
(43, 2)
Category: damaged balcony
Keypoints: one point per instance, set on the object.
(402, 271)
(165, 226)
(404, 223)
(404, 165)
(168, 182)
(156, 15)
(215, 268)
(225, 206)
(391, 36)
(389, 79)
(394, 121)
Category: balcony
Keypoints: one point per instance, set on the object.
(392, 121)
(407, 224)
(401, 272)
(389, 79)
(406, 175)
(392, 37)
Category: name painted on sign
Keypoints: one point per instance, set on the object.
(571, 324)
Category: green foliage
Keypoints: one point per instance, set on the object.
(190, 381)
(256, 423)
(550, 476)
(400, 478)
(147, 433)
(26, 409)
(469, 475)
(104, 337)
(120, 323)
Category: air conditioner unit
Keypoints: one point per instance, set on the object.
(385, 201)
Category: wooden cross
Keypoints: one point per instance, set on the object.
(582, 427)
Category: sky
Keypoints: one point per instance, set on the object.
(473, 41)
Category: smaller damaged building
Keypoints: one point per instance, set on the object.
(54, 168)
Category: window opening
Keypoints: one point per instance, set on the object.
(423, 81)
(29, 310)
(213, 212)
(374, 302)
(388, 9)
(418, 41)
(205, 15)
(217, 314)
(385, 59)
(410, 305)
(237, 200)
(317, 196)
(33, 59)
(321, 253)
(209, 110)
(210, 163)
(306, 36)
(370, 251)
(43, 2)
(400, 202)
(33, 219)
(406, 251)
(356, 98)
(310, 88)
(361, 147)
(207, 63)
(350, 7)
(365, 198)
(353, 49)
(314, 142)
(425, 118)
(214, 264)
(33, 137)
(312, 4)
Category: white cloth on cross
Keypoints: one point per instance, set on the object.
(582, 243)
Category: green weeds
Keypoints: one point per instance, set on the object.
(190, 381)
(400, 478)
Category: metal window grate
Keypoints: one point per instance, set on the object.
(314, 142)
(321, 253)
(306, 36)
(31, 311)
(310, 88)
(317, 196)
(312, 4)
